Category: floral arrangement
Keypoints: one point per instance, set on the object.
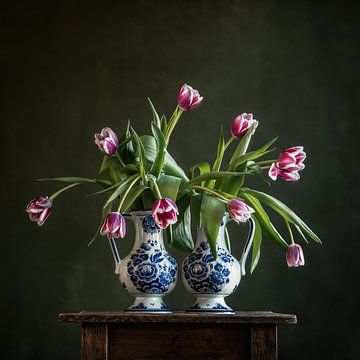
(138, 173)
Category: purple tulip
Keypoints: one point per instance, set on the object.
(295, 256)
(188, 98)
(239, 211)
(39, 209)
(289, 164)
(242, 123)
(114, 226)
(164, 212)
(107, 141)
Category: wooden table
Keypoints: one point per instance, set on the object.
(179, 335)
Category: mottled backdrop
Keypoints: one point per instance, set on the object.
(71, 67)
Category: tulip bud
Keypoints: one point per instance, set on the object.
(114, 226)
(39, 209)
(188, 98)
(295, 256)
(289, 164)
(107, 141)
(242, 123)
(239, 211)
(164, 212)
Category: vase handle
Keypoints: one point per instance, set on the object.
(247, 247)
(116, 255)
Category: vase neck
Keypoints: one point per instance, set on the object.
(145, 228)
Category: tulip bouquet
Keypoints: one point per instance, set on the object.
(138, 173)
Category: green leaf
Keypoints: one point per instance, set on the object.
(180, 234)
(160, 151)
(70, 179)
(170, 165)
(169, 186)
(214, 175)
(110, 169)
(255, 256)
(164, 124)
(140, 158)
(259, 171)
(203, 167)
(283, 210)
(132, 195)
(195, 206)
(212, 212)
(120, 189)
(243, 144)
(227, 239)
(264, 220)
(156, 119)
(105, 211)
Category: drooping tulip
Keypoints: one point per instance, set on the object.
(295, 256)
(114, 226)
(289, 164)
(239, 211)
(164, 212)
(188, 98)
(242, 123)
(39, 209)
(107, 141)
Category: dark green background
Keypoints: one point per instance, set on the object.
(70, 68)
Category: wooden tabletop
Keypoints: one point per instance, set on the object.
(240, 317)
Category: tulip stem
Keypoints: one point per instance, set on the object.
(120, 160)
(172, 123)
(264, 162)
(57, 193)
(290, 232)
(211, 191)
(156, 188)
(127, 192)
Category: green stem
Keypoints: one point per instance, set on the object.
(290, 232)
(57, 193)
(120, 160)
(127, 192)
(172, 123)
(211, 191)
(157, 190)
(264, 162)
(229, 142)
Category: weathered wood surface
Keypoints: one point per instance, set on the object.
(264, 342)
(94, 341)
(240, 317)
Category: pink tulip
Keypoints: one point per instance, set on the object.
(295, 256)
(188, 98)
(242, 123)
(107, 141)
(289, 164)
(239, 211)
(164, 212)
(39, 209)
(114, 226)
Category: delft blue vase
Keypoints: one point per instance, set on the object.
(148, 272)
(210, 280)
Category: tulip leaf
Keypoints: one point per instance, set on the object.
(110, 169)
(214, 175)
(263, 218)
(164, 124)
(156, 118)
(132, 195)
(160, 151)
(227, 239)
(140, 158)
(169, 186)
(212, 212)
(301, 233)
(203, 167)
(170, 165)
(282, 210)
(259, 171)
(120, 189)
(70, 179)
(105, 211)
(219, 155)
(243, 144)
(195, 206)
(180, 234)
(255, 256)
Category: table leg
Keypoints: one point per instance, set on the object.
(94, 341)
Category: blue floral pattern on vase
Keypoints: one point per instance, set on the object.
(203, 273)
(151, 270)
(149, 225)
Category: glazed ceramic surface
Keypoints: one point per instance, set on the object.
(148, 272)
(210, 279)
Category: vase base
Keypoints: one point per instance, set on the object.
(153, 304)
(211, 304)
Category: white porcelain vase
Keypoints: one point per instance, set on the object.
(148, 272)
(210, 280)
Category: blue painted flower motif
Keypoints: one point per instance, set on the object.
(151, 270)
(204, 273)
(149, 225)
